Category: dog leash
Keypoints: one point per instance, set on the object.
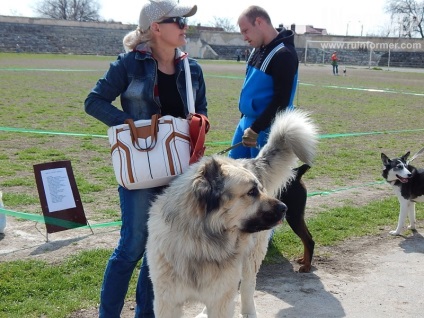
(232, 147)
(416, 155)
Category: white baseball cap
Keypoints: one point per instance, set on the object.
(156, 10)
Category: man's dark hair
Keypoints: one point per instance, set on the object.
(253, 12)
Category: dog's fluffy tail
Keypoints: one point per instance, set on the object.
(293, 136)
(297, 132)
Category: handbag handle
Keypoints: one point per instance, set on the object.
(189, 87)
(199, 126)
(144, 132)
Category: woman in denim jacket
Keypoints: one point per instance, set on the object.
(149, 79)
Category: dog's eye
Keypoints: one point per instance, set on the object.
(254, 192)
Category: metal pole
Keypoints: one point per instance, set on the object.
(369, 62)
(297, 93)
(306, 51)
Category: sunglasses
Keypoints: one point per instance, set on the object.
(181, 21)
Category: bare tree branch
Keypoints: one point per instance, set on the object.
(75, 10)
(224, 23)
(408, 15)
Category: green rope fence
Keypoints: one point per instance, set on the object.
(68, 224)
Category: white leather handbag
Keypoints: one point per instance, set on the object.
(150, 153)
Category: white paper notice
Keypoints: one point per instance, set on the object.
(57, 189)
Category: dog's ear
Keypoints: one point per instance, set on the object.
(405, 156)
(385, 159)
(209, 185)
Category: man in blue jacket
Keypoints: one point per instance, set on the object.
(270, 83)
(269, 88)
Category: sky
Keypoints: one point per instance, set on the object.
(338, 17)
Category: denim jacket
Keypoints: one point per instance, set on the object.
(133, 77)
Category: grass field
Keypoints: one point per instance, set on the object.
(42, 119)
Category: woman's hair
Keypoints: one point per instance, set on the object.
(134, 38)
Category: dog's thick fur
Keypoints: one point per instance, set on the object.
(210, 228)
(408, 184)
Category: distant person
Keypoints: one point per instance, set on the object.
(2, 217)
(238, 55)
(335, 63)
(246, 54)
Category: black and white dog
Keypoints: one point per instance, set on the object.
(408, 184)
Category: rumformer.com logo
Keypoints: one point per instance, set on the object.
(380, 46)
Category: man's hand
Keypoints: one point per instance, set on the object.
(249, 138)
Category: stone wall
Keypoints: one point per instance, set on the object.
(37, 35)
(34, 35)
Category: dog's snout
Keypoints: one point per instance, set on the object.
(277, 213)
(283, 208)
(271, 214)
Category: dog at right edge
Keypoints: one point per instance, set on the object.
(408, 184)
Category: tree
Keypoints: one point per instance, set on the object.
(224, 23)
(408, 15)
(74, 10)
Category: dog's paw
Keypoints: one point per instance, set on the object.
(394, 233)
(248, 316)
(305, 268)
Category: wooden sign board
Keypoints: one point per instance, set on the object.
(59, 197)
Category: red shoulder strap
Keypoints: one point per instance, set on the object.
(199, 126)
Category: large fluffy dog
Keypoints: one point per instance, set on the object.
(408, 184)
(209, 230)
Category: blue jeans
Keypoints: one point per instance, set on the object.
(135, 205)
